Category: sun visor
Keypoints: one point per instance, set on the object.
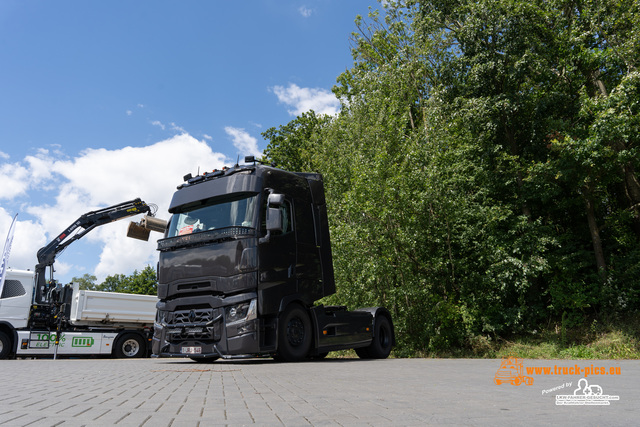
(219, 186)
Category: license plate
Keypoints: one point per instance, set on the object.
(191, 350)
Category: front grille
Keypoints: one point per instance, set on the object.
(193, 316)
(194, 324)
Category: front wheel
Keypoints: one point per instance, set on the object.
(128, 346)
(294, 334)
(5, 345)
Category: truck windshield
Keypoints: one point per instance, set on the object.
(213, 216)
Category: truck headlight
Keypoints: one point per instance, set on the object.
(161, 316)
(242, 312)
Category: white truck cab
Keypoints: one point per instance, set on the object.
(16, 298)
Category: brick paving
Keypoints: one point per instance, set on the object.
(333, 392)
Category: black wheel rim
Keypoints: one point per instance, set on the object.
(295, 332)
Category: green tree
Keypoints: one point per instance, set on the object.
(532, 79)
(86, 282)
(292, 146)
(481, 176)
(114, 283)
(143, 282)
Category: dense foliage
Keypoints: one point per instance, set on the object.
(482, 175)
(143, 282)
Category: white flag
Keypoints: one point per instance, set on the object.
(5, 253)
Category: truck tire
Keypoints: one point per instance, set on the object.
(363, 352)
(294, 334)
(5, 345)
(320, 356)
(129, 345)
(382, 342)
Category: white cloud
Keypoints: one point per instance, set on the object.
(15, 180)
(303, 99)
(40, 169)
(4, 155)
(305, 11)
(244, 143)
(177, 128)
(94, 179)
(172, 126)
(28, 238)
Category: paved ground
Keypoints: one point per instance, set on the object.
(398, 392)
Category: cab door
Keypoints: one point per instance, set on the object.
(277, 255)
(15, 300)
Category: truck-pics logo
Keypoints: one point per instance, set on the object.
(511, 371)
(82, 342)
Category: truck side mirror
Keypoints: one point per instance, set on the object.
(274, 219)
(274, 216)
(275, 199)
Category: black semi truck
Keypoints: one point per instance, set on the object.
(245, 256)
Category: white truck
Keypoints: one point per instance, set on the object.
(97, 323)
(39, 317)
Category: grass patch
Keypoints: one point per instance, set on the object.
(613, 340)
(609, 345)
(610, 340)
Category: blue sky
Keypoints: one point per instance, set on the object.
(102, 102)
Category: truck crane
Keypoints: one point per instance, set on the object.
(39, 317)
(47, 294)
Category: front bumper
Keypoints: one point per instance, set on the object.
(205, 332)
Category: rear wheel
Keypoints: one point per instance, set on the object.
(5, 345)
(382, 342)
(363, 352)
(129, 345)
(294, 334)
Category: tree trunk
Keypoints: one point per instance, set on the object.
(632, 190)
(513, 145)
(630, 185)
(595, 233)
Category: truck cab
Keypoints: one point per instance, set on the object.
(245, 256)
(16, 297)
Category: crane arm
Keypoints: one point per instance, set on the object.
(90, 220)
